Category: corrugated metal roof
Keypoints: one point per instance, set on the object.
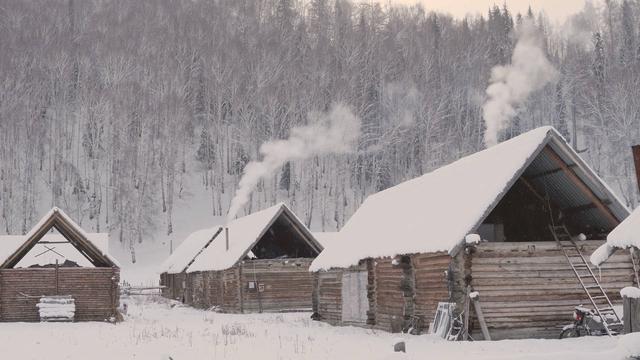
(549, 179)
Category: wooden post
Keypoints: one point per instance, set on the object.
(631, 308)
(239, 275)
(371, 291)
(57, 287)
(467, 309)
(480, 315)
(0, 295)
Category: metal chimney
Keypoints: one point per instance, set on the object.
(636, 161)
(226, 237)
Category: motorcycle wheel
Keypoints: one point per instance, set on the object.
(571, 332)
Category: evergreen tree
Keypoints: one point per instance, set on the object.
(561, 112)
(206, 151)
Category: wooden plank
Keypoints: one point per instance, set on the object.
(481, 320)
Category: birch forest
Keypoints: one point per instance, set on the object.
(111, 109)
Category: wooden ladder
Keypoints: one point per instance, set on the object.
(589, 282)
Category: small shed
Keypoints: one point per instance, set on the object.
(173, 274)
(404, 249)
(257, 263)
(68, 263)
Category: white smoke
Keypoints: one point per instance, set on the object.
(511, 85)
(334, 132)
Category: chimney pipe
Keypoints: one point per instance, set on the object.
(226, 237)
(636, 161)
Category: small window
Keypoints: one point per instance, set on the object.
(251, 285)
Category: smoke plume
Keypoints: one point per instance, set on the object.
(511, 84)
(334, 132)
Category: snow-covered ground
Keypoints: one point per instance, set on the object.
(153, 330)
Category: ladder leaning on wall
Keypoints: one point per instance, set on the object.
(589, 282)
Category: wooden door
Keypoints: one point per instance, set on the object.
(355, 303)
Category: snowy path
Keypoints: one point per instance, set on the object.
(157, 332)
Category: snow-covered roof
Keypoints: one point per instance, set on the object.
(627, 233)
(435, 212)
(244, 233)
(624, 236)
(188, 250)
(21, 247)
(327, 239)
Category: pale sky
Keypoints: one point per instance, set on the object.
(557, 10)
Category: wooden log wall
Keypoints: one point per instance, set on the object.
(529, 290)
(196, 290)
(230, 290)
(164, 283)
(178, 282)
(95, 291)
(287, 285)
(431, 283)
(329, 296)
(370, 265)
(213, 288)
(390, 295)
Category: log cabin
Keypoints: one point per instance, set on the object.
(69, 263)
(173, 275)
(626, 236)
(404, 250)
(257, 263)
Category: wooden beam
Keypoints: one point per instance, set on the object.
(636, 160)
(533, 190)
(548, 172)
(578, 209)
(467, 309)
(582, 186)
(481, 320)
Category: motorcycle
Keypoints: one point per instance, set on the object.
(586, 323)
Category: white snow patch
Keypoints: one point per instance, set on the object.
(472, 239)
(627, 234)
(630, 292)
(327, 239)
(601, 254)
(474, 295)
(153, 330)
(433, 212)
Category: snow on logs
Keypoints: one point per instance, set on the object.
(56, 308)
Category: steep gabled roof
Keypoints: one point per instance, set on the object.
(185, 254)
(244, 234)
(71, 231)
(434, 212)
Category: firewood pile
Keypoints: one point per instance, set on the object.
(60, 308)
